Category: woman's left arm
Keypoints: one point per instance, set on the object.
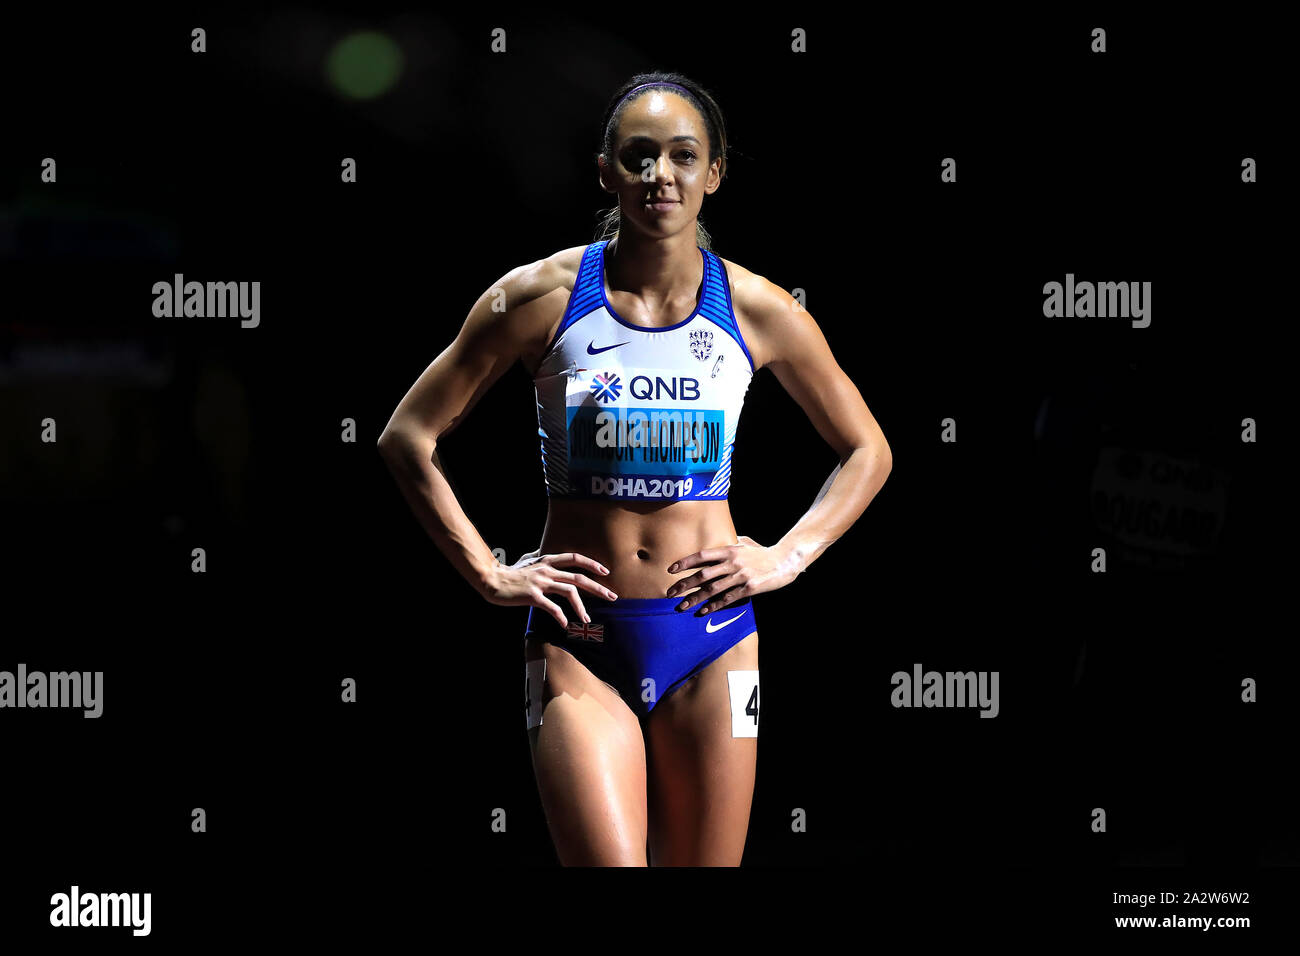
(784, 337)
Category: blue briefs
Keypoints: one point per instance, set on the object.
(644, 647)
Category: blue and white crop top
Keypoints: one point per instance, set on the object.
(630, 412)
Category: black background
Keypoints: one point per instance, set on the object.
(1119, 690)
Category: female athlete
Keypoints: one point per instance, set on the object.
(641, 677)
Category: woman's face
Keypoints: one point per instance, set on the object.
(661, 170)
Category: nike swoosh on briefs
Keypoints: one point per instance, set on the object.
(711, 627)
(603, 348)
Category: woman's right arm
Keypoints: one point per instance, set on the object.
(489, 342)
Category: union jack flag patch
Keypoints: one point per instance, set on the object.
(587, 632)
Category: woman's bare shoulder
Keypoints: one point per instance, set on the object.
(538, 279)
(540, 292)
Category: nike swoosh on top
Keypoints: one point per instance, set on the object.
(711, 627)
(603, 348)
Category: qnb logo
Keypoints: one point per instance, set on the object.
(686, 389)
(606, 387)
(102, 909)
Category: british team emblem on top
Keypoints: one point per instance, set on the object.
(701, 343)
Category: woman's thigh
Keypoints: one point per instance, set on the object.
(701, 775)
(589, 759)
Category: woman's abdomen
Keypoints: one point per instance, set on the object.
(637, 541)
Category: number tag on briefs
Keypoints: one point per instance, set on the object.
(743, 686)
(534, 684)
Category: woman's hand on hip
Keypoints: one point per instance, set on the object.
(529, 580)
(732, 573)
